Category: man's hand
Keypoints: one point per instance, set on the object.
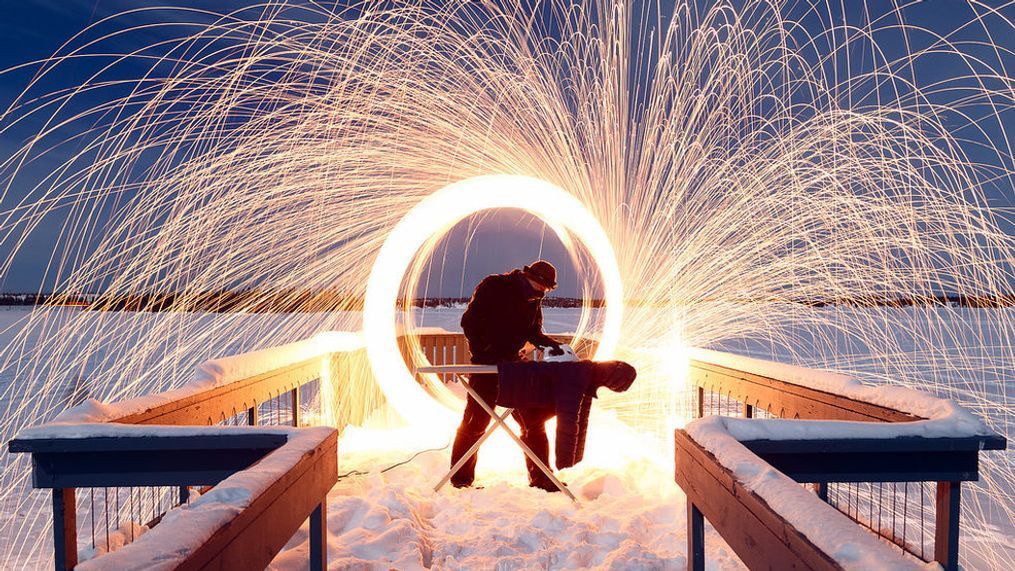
(556, 351)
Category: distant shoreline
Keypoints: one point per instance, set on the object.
(319, 302)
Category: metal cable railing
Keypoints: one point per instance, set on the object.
(912, 507)
(112, 506)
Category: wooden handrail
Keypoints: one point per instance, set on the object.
(267, 524)
(253, 538)
(947, 461)
(453, 349)
(757, 533)
(216, 404)
(785, 399)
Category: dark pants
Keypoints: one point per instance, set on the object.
(533, 424)
(475, 420)
(474, 423)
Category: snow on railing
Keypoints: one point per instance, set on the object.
(855, 443)
(148, 476)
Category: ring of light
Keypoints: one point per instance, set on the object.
(434, 216)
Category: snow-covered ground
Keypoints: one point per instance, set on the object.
(631, 513)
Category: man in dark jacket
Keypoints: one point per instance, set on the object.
(504, 313)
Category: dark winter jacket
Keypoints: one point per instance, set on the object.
(504, 313)
(566, 387)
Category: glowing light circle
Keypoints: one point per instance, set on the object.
(438, 213)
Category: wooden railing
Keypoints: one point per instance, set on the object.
(852, 475)
(238, 397)
(142, 453)
(139, 475)
(453, 349)
(297, 492)
(123, 469)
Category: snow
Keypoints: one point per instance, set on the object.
(121, 536)
(783, 429)
(622, 490)
(942, 417)
(218, 372)
(67, 430)
(847, 543)
(630, 513)
(954, 418)
(184, 529)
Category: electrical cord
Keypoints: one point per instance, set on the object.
(397, 464)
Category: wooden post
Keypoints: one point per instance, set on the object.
(65, 528)
(701, 402)
(946, 525)
(695, 538)
(295, 398)
(252, 415)
(748, 411)
(319, 537)
(821, 488)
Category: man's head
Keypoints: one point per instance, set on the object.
(542, 275)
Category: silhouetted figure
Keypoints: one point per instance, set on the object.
(504, 313)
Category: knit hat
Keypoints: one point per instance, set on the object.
(542, 272)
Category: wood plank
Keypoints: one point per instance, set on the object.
(140, 468)
(253, 538)
(695, 538)
(704, 460)
(319, 537)
(789, 398)
(946, 525)
(701, 457)
(460, 369)
(206, 407)
(227, 439)
(65, 528)
(751, 501)
(913, 466)
(439, 345)
(758, 546)
(847, 445)
(746, 528)
(462, 353)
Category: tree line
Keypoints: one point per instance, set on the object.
(303, 301)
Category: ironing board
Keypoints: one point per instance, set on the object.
(455, 372)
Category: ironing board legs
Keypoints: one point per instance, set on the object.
(499, 421)
(468, 454)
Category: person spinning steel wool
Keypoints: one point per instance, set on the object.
(504, 313)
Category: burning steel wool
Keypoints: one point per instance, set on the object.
(754, 176)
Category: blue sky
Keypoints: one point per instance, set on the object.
(34, 29)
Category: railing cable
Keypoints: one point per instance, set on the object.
(905, 510)
(132, 514)
(105, 503)
(91, 513)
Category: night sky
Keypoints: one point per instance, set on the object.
(34, 29)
